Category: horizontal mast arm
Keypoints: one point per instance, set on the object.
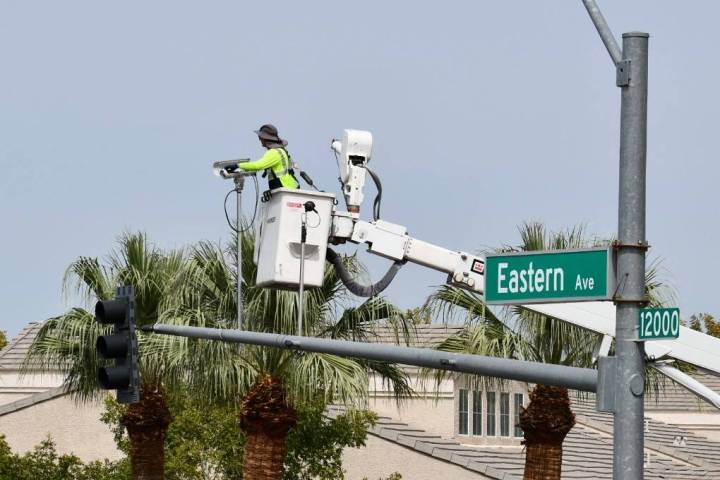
(583, 379)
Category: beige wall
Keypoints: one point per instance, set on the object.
(435, 417)
(75, 428)
(380, 458)
(430, 411)
(15, 387)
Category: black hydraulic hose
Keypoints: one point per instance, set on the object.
(378, 197)
(352, 285)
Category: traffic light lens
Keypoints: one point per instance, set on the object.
(113, 346)
(111, 378)
(111, 311)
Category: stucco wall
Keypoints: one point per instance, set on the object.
(75, 428)
(428, 410)
(380, 458)
(15, 387)
(425, 413)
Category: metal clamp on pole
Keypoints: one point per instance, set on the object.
(637, 301)
(617, 245)
(622, 73)
(607, 378)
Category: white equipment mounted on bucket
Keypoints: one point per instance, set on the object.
(279, 231)
(288, 212)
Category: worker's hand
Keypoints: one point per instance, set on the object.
(231, 168)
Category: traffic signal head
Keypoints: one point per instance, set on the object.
(112, 311)
(113, 346)
(114, 378)
(120, 346)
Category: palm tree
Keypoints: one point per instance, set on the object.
(527, 335)
(68, 341)
(271, 382)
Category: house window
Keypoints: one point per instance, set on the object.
(490, 426)
(477, 413)
(504, 414)
(518, 405)
(463, 413)
(481, 413)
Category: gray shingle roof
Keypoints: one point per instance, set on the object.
(424, 336)
(12, 356)
(661, 437)
(673, 397)
(587, 453)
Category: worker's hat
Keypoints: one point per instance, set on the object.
(270, 132)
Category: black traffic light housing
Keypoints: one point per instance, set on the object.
(121, 346)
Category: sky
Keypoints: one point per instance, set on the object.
(484, 114)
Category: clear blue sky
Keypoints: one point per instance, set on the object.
(485, 115)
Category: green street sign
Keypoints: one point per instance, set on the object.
(658, 323)
(550, 276)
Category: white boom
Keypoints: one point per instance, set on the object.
(277, 254)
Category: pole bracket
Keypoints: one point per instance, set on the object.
(622, 73)
(607, 385)
(645, 246)
(639, 301)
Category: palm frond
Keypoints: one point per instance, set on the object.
(88, 278)
(657, 289)
(336, 379)
(67, 343)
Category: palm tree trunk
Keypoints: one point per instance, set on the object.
(543, 462)
(266, 418)
(264, 456)
(545, 424)
(147, 423)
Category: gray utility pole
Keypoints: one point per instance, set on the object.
(583, 379)
(626, 370)
(239, 183)
(628, 435)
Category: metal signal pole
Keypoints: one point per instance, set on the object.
(628, 434)
(628, 366)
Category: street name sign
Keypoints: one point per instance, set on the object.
(658, 323)
(580, 275)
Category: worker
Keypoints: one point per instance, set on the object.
(276, 161)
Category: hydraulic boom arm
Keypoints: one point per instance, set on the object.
(391, 241)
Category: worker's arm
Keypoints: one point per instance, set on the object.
(270, 158)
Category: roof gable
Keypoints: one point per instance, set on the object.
(14, 353)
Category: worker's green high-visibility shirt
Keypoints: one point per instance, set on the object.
(277, 162)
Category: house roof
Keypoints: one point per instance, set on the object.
(424, 336)
(12, 356)
(662, 438)
(673, 397)
(587, 450)
(32, 400)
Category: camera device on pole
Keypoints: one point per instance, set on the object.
(121, 345)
